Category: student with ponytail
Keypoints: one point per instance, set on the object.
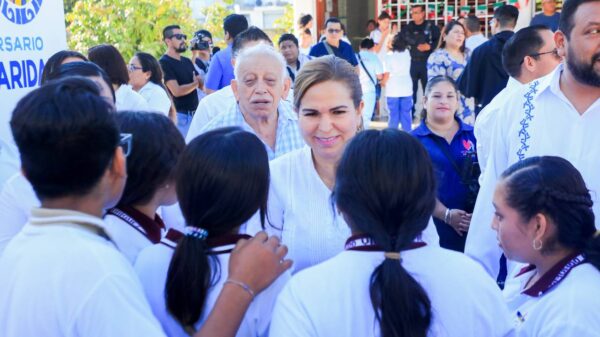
(388, 282)
(544, 218)
(222, 179)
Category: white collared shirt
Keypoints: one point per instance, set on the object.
(129, 100)
(569, 309)
(475, 41)
(62, 279)
(484, 124)
(157, 98)
(287, 137)
(536, 120)
(299, 202)
(333, 299)
(209, 107)
(152, 266)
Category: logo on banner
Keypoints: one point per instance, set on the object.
(20, 12)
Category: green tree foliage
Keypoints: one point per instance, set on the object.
(129, 25)
(214, 15)
(284, 23)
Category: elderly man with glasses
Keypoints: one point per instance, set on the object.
(333, 44)
(180, 76)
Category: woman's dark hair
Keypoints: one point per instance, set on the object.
(149, 63)
(222, 179)
(553, 186)
(399, 43)
(155, 148)
(66, 135)
(304, 20)
(385, 187)
(56, 60)
(84, 69)
(110, 59)
(449, 26)
(432, 83)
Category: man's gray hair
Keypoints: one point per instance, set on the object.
(260, 50)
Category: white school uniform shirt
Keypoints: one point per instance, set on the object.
(157, 98)
(152, 266)
(398, 65)
(299, 202)
(475, 41)
(569, 308)
(208, 108)
(127, 233)
(484, 124)
(17, 198)
(537, 120)
(65, 280)
(129, 100)
(333, 299)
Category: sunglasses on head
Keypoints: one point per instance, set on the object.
(179, 36)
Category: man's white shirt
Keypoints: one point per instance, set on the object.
(60, 278)
(208, 108)
(536, 120)
(475, 41)
(484, 124)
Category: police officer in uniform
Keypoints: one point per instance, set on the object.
(422, 36)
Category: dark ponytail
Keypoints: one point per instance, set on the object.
(385, 187)
(554, 187)
(222, 179)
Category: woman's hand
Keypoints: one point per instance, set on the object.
(258, 262)
(459, 220)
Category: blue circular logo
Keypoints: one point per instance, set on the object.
(20, 12)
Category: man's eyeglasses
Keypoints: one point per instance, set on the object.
(132, 67)
(125, 142)
(334, 31)
(554, 52)
(179, 36)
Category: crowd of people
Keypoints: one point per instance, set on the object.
(244, 192)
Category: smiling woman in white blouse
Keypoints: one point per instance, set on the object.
(328, 102)
(327, 99)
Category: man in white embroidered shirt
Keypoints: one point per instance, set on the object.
(556, 115)
(61, 275)
(528, 55)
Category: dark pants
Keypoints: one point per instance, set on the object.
(418, 72)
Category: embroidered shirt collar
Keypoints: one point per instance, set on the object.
(365, 243)
(151, 228)
(554, 276)
(423, 129)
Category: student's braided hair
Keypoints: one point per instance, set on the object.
(553, 186)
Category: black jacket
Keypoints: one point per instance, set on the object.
(414, 35)
(484, 77)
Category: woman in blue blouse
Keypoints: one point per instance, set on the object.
(451, 145)
(450, 59)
